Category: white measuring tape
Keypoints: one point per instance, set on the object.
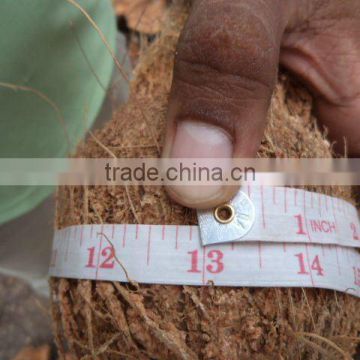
(286, 215)
(288, 238)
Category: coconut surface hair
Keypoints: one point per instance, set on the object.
(112, 320)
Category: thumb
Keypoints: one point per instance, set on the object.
(225, 70)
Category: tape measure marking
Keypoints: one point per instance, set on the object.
(286, 215)
(170, 254)
(284, 237)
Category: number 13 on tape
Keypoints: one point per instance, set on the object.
(169, 254)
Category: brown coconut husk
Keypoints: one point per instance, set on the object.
(112, 320)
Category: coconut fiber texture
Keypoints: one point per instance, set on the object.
(112, 320)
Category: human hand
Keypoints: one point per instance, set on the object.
(226, 68)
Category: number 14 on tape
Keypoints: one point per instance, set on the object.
(169, 254)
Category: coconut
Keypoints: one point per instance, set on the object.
(113, 320)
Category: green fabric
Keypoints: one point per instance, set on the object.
(49, 46)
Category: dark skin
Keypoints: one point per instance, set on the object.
(226, 69)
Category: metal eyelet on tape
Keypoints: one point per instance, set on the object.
(224, 214)
(236, 222)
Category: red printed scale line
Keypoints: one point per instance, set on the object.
(124, 236)
(148, 247)
(68, 232)
(335, 218)
(177, 237)
(203, 265)
(220, 264)
(274, 195)
(312, 200)
(55, 256)
(263, 207)
(305, 218)
(260, 255)
(98, 257)
(309, 266)
(81, 236)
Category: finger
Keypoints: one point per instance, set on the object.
(325, 54)
(337, 106)
(225, 70)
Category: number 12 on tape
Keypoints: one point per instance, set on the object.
(170, 254)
